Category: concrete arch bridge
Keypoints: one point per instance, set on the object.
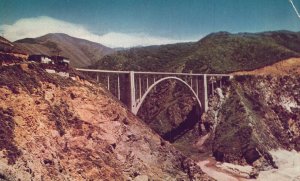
(132, 87)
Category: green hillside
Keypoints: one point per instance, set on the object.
(220, 52)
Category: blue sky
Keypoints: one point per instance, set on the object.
(146, 20)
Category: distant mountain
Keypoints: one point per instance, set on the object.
(220, 52)
(80, 52)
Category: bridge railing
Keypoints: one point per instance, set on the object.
(150, 73)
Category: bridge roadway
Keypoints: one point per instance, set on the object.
(132, 87)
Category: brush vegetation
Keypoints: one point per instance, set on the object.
(220, 52)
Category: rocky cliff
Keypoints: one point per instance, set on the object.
(256, 115)
(67, 128)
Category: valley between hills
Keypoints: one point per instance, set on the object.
(55, 127)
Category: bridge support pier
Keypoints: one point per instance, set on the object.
(125, 90)
(204, 93)
(132, 91)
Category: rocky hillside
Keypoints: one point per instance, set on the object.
(256, 115)
(216, 53)
(80, 52)
(68, 128)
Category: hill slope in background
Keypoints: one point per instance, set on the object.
(80, 52)
(216, 53)
(8, 47)
(286, 67)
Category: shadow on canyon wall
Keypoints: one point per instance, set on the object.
(192, 119)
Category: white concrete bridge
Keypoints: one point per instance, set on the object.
(132, 87)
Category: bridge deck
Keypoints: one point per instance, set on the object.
(150, 73)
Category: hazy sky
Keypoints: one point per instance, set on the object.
(143, 22)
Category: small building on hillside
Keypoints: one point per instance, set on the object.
(45, 59)
(57, 63)
(60, 60)
(41, 59)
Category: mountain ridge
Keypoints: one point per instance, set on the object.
(81, 52)
(220, 52)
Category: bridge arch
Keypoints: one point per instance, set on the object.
(141, 101)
